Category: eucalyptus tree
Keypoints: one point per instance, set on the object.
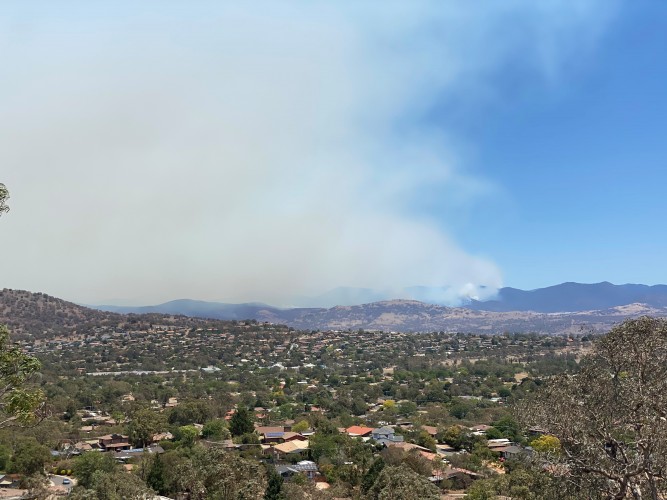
(4, 196)
(20, 401)
(611, 416)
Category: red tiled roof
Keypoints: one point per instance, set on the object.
(358, 430)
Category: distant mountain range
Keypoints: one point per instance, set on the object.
(37, 315)
(565, 297)
(414, 316)
(351, 296)
(568, 307)
(574, 297)
(197, 308)
(565, 308)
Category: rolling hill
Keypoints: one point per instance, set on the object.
(574, 297)
(567, 307)
(37, 314)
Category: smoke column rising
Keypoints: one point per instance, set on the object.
(254, 152)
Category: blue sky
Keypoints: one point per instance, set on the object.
(271, 151)
(581, 163)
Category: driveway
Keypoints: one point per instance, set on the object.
(57, 481)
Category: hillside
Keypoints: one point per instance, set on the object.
(413, 316)
(568, 307)
(27, 313)
(562, 298)
(197, 308)
(574, 297)
(38, 315)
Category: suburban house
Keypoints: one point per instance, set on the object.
(480, 430)
(290, 448)
(123, 456)
(114, 442)
(162, 436)
(305, 467)
(409, 446)
(494, 444)
(82, 446)
(445, 450)
(265, 429)
(359, 431)
(386, 435)
(276, 434)
(508, 452)
(462, 478)
(432, 431)
(127, 398)
(536, 431)
(273, 437)
(291, 436)
(505, 448)
(281, 437)
(10, 480)
(225, 444)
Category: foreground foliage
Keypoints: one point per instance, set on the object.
(402, 483)
(4, 196)
(611, 417)
(212, 473)
(19, 402)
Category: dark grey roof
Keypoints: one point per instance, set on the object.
(124, 455)
(283, 469)
(294, 468)
(384, 430)
(303, 467)
(397, 438)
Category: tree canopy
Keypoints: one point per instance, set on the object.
(402, 483)
(113, 485)
(87, 464)
(212, 473)
(4, 196)
(241, 422)
(29, 457)
(611, 417)
(144, 425)
(19, 402)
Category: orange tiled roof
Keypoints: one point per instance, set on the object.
(358, 430)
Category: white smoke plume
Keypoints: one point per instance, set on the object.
(252, 150)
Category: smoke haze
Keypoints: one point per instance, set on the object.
(254, 151)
